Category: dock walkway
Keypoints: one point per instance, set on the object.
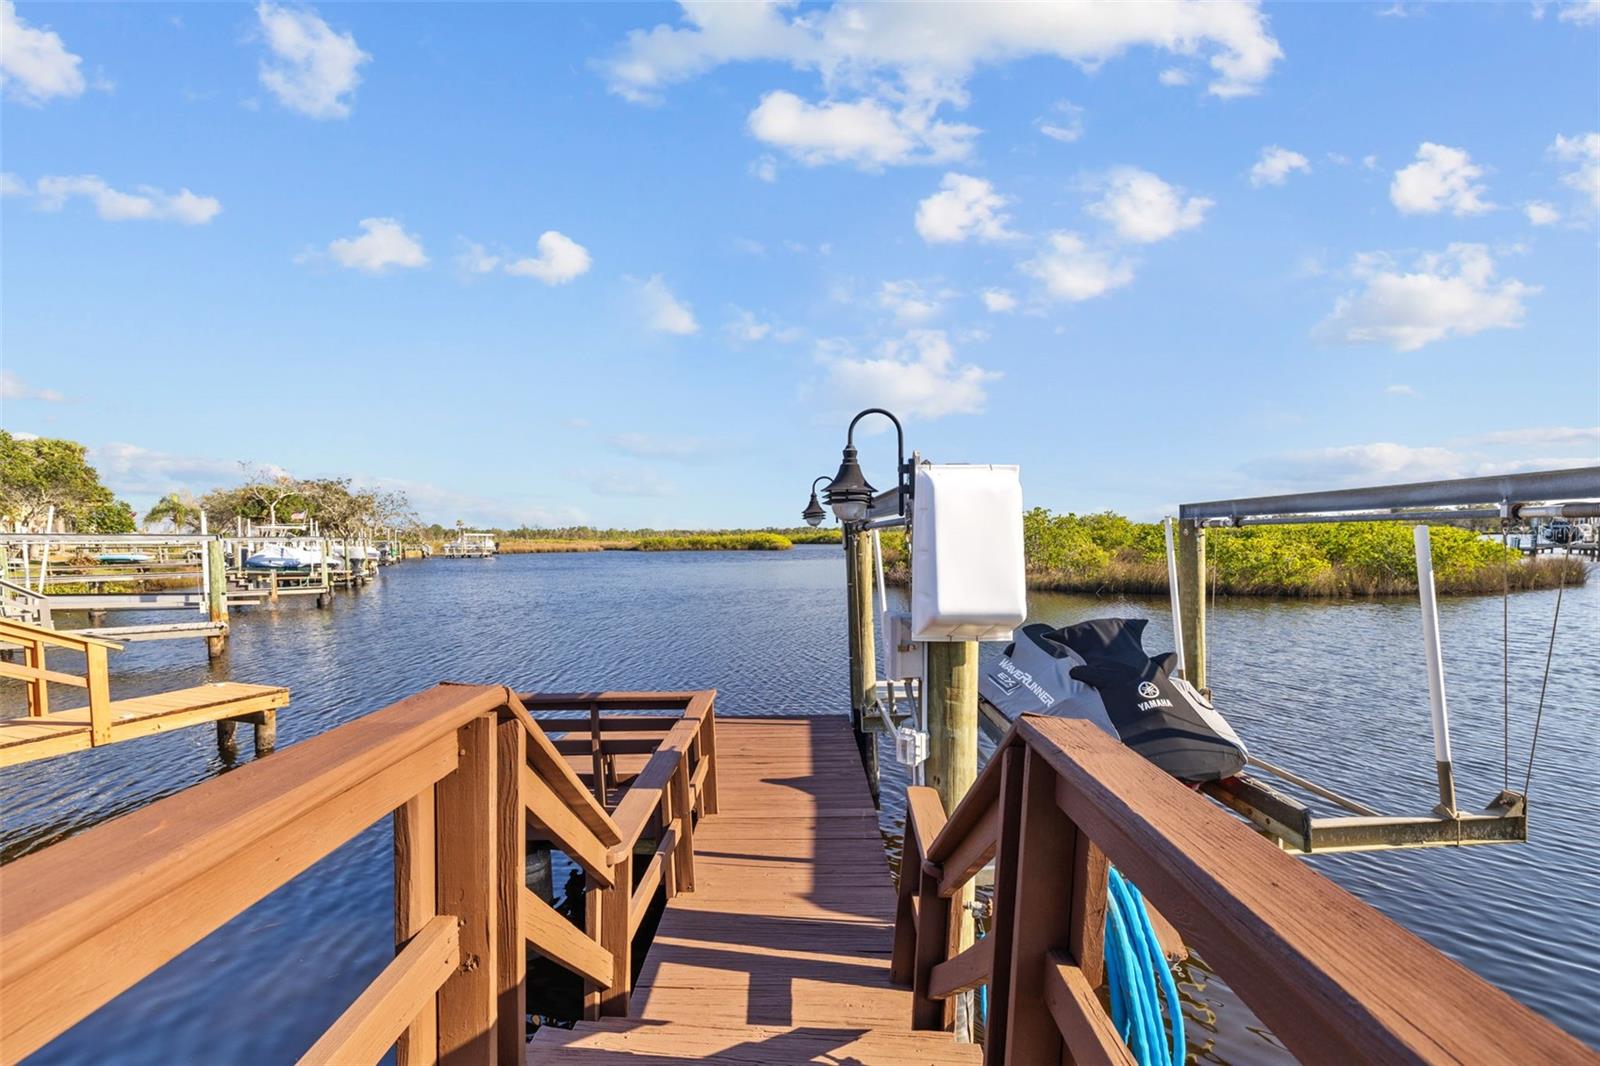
(781, 951)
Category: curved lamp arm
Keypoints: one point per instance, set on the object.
(900, 452)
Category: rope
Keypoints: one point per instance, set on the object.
(1538, 717)
(1138, 976)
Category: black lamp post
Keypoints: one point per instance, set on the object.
(849, 494)
(814, 514)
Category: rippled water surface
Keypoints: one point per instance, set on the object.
(1334, 690)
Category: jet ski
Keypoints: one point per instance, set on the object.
(1099, 671)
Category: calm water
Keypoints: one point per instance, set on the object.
(1337, 690)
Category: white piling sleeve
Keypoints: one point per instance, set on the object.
(1431, 647)
(1172, 587)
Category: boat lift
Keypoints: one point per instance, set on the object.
(1505, 500)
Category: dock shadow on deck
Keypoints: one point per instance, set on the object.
(781, 952)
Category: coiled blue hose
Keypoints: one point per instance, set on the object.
(1136, 968)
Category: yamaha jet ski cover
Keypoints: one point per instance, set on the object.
(1098, 671)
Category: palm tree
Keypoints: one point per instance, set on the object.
(180, 508)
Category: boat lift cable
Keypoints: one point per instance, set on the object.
(1505, 647)
(1538, 718)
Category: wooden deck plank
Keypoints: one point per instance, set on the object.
(781, 952)
(26, 739)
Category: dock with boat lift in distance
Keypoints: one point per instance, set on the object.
(781, 937)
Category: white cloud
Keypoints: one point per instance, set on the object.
(1174, 77)
(1399, 390)
(148, 204)
(383, 244)
(1071, 270)
(932, 48)
(917, 376)
(1064, 123)
(764, 168)
(1386, 462)
(11, 185)
(1582, 437)
(14, 388)
(313, 69)
(475, 259)
(1541, 213)
(560, 259)
(1275, 166)
(1581, 13)
(1584, 150)
(663, 312)
(34, 63)
(1143, 208)
(745, 328)
(136, 471)
(866, 132)
(998, 301)
(1442, 177)
(886, 70)
(963, 207)
(908, 301)
(1445, 294)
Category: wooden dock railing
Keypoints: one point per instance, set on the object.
(1331, 977)
(37, 677)
(469, 775)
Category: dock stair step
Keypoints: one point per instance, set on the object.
(630, 1041)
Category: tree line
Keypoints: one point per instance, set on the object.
(40, 476)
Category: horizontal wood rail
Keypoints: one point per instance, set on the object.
(469, 776)
(1332, 978)
(37, 676)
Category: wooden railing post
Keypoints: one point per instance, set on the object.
(683, 807)
(468, 881)
(615, 937)
(708, 752)
(38, 688)
(1046, 848)
(414, 907)
(1191, 557)
(99, 694)
(511, 954)
(1003, 924)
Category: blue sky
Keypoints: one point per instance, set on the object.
(637, 264)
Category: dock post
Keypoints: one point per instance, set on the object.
(217, 596)
(952, 694)
(325, 597)
(863, 656)
(228, 739)
(1191, 553)
(266, 730)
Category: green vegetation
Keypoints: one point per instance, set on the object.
(700, 542)
(41, 473)
(1108, 553)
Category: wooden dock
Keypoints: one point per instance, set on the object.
(781, 952)
(781, 939)
(43, 733)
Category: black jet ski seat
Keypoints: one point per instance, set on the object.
(1099, 671)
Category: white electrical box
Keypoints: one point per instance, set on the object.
(966, 553)
(902, 656)
(910, 746)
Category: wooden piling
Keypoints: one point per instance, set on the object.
(266, 731)
(952, 766)
(1191, 557)
(863, 657)
(217, 595)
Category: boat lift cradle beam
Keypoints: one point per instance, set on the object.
(1545, 494)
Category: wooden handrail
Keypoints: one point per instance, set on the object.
(11, 629)
(1334, 979)
(463, 768)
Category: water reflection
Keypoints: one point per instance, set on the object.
(1334, 690)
